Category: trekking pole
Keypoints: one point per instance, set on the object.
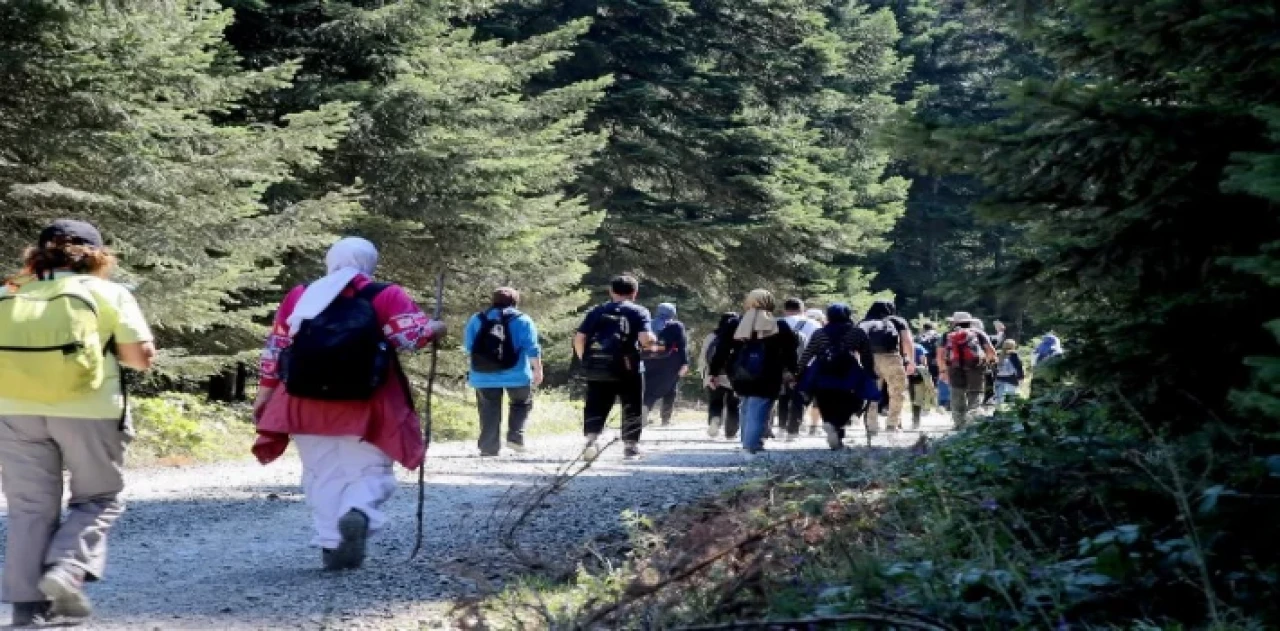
(426, 419)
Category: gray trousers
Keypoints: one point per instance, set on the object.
(33, 452)
(489, 403)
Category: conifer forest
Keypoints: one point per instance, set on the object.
(1105, 170)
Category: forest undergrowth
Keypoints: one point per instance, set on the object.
(1066, 512)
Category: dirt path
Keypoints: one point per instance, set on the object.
(225, 546)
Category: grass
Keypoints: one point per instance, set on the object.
(454, 415)
(177, 429)
(181, 429)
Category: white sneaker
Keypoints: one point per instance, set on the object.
(516, 447)
(833, 437)
(713, 428)
(591, 451)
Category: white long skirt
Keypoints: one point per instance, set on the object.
(340, 473)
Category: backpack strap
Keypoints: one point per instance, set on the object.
(371, 291)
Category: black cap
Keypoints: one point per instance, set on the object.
(72, 231)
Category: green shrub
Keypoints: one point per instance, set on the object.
(183, 428)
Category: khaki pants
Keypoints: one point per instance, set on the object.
(889, 369)
(33, 452)
(966, 392)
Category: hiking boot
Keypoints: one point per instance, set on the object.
(354, 528)
(31, 613)
(631, 451)
(713, 427)
(516, 447)
(65, 587)
(834, 440)
(591, 451)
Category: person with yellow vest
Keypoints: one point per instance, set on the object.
(65, 332)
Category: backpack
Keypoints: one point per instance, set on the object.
(884, 336)
(963, 348)
(494, 349)
(749, 361)
(341, 354)
(835, 368)
(50, 347)
(607, 356)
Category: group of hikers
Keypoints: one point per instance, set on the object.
(332, 385)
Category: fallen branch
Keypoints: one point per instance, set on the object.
(905, 622)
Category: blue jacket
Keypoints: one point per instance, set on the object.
(524, 335)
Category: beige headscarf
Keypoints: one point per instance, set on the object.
(758, 318)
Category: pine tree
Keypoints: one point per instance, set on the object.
(742, 138)
(461, 167)
(945, 258)
(1118, 168)
(126, 114)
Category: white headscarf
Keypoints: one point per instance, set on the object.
(347, 259)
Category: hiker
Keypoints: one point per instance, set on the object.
(791, 403)
(1008, 372)
(760, 358)
(502, 343)
(838, 365)
(964, 358)
(931, 340)
(924, 396)
(665, 363)
(1045, 368)
(894, 350)
(1050, 347)
(722, 403)
(57, 414)
(815, 415)
(608, 343)
(989, 374)
(331, 382)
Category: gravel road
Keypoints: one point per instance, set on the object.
(225, 546)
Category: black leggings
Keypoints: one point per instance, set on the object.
(722, 403)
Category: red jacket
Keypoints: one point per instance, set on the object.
(387, 421)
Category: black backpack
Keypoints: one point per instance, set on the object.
(749, 361)
(493, 349)
(884, 336)
(341, 354)
(607, 356)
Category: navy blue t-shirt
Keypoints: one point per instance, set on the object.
(638, 320)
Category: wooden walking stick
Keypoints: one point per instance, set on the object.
(426, 418)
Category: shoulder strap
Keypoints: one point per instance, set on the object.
(371, 291)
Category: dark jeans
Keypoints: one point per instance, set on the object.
(838, 407)
(791, 406)
(668, 405)
(489, 402)
(722, 403)
(601, 395)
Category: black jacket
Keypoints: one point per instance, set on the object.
(781, 353)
